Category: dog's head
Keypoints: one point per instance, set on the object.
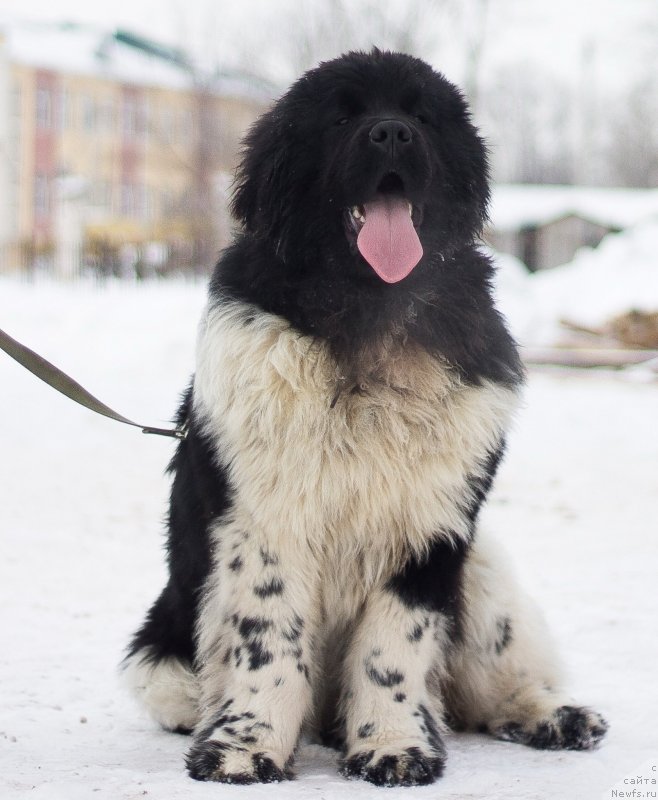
(368, 164)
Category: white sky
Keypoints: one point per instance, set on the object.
(619, 35)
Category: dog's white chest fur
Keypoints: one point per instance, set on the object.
(379, 473)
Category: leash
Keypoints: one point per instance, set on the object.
(59, 380)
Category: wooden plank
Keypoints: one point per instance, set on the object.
(613, 358)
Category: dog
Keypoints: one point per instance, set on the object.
(353, 387)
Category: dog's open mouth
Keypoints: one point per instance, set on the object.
(386, 237)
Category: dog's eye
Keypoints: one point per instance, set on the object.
(342, 121)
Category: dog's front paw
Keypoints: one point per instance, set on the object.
(569, 728)
(216, 761)
(409, 767)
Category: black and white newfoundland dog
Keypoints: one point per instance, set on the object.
(353, 387)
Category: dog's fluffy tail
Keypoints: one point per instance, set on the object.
(167, 687)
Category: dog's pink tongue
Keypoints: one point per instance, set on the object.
(388, 240)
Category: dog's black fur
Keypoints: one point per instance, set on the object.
(306, 163)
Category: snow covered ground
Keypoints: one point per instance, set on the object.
(81, 509)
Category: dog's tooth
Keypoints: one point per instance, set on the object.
(411, 209)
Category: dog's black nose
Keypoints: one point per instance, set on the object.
(390, 134)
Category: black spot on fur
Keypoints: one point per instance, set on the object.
(366, 730)
(303, 668)
(259, 656)
(251, 626)
(294, 652)
(400, 697)
(416, 634)
(268, 559)
(221, 720)
(386, 678)
(504, 626)
(236, 565)
(432, 731)
(434, 581)
(295, 630)
(269, 589)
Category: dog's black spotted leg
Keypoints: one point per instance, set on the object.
(393, 724)
(256, 650)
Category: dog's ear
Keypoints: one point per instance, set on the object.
(264, 179)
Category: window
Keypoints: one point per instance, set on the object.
(44, 110)
(101, 195)
(88, 113)
(41, 195)
(105, 115)
(16, 101)
(185, 127)
(167, 125)
(133, 116)
(129, 117)
(65, 109)
(133, 200)
(128, 199)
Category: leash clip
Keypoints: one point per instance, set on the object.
(174, 433)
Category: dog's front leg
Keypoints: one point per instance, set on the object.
(392, 724)
(254, 642)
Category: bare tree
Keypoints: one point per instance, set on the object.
(323, 30)
(526, 115)
(633, 146)
(473, 18)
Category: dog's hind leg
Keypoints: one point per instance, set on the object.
(504, 677)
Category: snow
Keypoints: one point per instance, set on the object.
(619, 275)
(515, 206)
(94, 50)
(87, 50)
(81, 521)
